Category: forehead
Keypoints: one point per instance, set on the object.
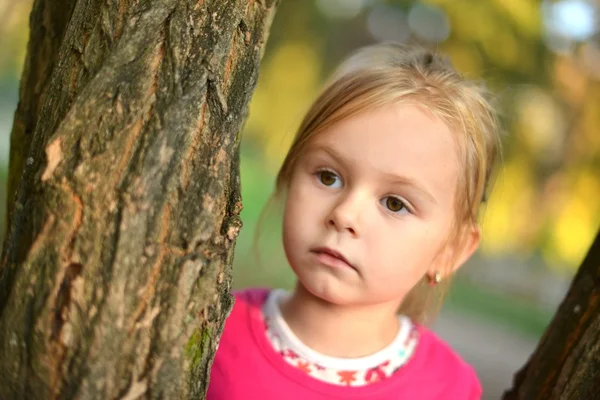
(405, 140)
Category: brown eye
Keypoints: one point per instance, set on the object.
(328, 178)
(394, 204)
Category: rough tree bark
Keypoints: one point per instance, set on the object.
(124, 195)
(566, 363)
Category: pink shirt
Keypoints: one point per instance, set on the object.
(247, 367)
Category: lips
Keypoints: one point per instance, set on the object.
(332, 257)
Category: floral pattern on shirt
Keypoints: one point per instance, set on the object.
(363, 377)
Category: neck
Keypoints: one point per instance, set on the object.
(347, 331)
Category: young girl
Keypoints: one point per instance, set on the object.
(381, 187)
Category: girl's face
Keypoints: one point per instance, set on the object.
(370, 206)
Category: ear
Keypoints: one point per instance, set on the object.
(466, 246)
(457, 253)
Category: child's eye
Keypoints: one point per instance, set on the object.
(394, 204)
(329, 178)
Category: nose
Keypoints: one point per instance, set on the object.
(344, 215)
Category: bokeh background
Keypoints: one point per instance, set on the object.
(542, 60)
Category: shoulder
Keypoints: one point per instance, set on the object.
(238, 330)
(446, 367)
(247, 304)
(252, 297)
(238, 348)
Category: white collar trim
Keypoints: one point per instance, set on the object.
(272, 312)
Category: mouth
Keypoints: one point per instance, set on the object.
(331, 258)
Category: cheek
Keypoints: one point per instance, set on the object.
(291, 219)
(298, 210)
(406, 253)
(292, 232)
(306, 201)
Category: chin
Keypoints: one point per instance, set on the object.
(328, 290)
(321, 282)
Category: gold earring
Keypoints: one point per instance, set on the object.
(435, 279)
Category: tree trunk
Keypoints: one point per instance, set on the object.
(566, 363)
(124, 195)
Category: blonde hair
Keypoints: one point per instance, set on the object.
(389, 73)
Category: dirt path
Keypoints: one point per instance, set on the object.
(495, 351)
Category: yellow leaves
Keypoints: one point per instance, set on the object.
(570, 79)
(465, 58)
(525, 14)
(287, 85)
(508, 218)
(504, 50)
(589, 140)
(541, 123)
(474, 21)
(566, 213)
(576, 222)
(493, 29)
(14, 34)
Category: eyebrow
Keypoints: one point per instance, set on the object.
(406, 181)
(392, 178)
